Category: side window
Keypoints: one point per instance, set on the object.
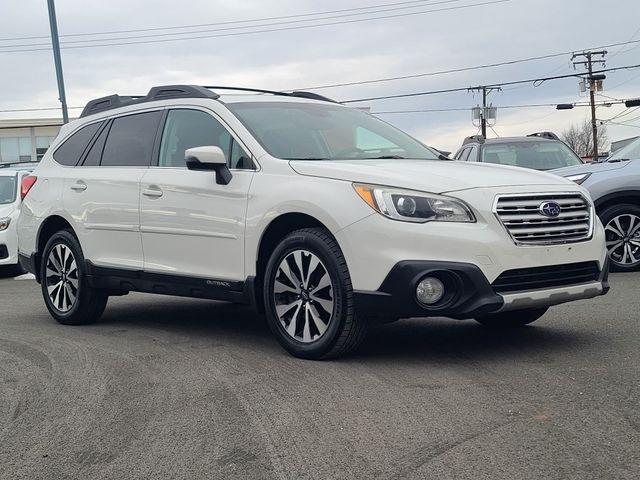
(464, 154)
(70, 152)
(130, 140)
(186, 129)
(473, 154)
(95, 152)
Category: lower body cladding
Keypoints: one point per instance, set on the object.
(461, 290)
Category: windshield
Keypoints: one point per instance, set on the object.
(628, 152)
(321, 131)
(7, 190)
(530, 154)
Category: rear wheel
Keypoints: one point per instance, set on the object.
(622, 232)
(309, 298)
(67, 294)
(517, 318)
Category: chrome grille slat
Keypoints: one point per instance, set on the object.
(520, 216)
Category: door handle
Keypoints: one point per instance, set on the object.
(79, 186)
(152, 192)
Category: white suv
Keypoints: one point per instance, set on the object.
(323, 217)
(10, 199)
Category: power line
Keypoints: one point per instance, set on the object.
(299, 27)
(287, 22)
(535, 81)
(230, 22)
(461, 69)
(531, 105)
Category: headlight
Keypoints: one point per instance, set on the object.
(4, 223)
(412, 206)
(579, 178)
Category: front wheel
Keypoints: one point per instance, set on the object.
(622, 232)
(309, 298)
(516, 318)
(67, 294)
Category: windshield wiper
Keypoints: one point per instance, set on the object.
(307, 158)
(444, 157)
(616, 160)
(384, 157)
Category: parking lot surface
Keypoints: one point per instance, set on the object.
(180, 388)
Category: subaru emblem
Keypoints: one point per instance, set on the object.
(550, 209)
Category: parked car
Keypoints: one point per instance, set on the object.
(10, 180)
(614, 185)
(321, 216)
(539, 151)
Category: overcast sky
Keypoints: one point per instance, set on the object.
(416, 39)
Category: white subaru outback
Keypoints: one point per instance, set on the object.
(321, 216)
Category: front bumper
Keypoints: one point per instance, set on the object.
(474, 295)
(8, 246)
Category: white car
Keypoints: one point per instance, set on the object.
(322, 216)
(10, 180)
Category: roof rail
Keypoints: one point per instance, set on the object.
(17, 164)
(473, 138)
(164, 92)
(156, 93)
(295, 93)
(549, 135)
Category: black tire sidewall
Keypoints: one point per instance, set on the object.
(609, 214)
(341, 286)
(67, 239)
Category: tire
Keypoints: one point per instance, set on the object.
(622, 231)
(517, 318)
(311, 317)
(67, 294)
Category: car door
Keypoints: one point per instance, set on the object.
(102, 193)
(191, 225)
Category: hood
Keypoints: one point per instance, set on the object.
(436, 176)
(589, 168)
(6, 210)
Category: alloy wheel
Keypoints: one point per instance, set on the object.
(62, 278)
(303, 296)
(623, 239)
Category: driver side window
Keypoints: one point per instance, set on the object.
(186, 129)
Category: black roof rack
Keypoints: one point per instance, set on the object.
(182, 91)
(549, 135)
(17, 164)
(156, 93)
(473, 139)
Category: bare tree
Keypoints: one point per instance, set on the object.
(580, 137)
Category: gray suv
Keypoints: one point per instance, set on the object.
(614, 185)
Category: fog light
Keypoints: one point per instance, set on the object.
(430, 290)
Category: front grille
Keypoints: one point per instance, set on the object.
(4, 253)
(521, 216)
(537, 278)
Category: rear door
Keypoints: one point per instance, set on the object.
(191, 225)
(102, 192)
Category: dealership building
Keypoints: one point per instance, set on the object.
(26, 140)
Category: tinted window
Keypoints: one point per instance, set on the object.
(95, 152)
(473, 154)
(7, 190)
(239, 158)
(543, 155)
(130, 140)
(464, 155)
(186, 129)
(70, 152)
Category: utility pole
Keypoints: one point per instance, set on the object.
(483, 113)
(588, 63)
(57, 59)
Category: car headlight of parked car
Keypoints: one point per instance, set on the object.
(579, 178)
(412, 206)
(4, 223)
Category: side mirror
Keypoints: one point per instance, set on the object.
(211, 159)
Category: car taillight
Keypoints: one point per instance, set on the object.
(28, 181)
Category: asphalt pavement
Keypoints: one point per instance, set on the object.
(167, 388)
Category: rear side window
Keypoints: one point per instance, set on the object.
(95, 152)
(130, 141)
(70, 152)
